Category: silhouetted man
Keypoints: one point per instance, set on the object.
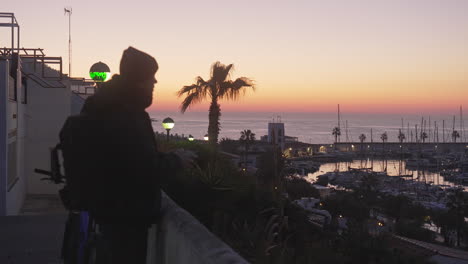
(120, 164)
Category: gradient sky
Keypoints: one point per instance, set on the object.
(368, 55)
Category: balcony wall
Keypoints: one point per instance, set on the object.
(180, 238)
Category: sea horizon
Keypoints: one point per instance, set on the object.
(315, 127)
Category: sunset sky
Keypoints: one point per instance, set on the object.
(367, 55)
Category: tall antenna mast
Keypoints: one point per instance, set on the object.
(68, 11)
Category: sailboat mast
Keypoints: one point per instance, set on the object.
(347, 138)
(416, 132)
(429, 132)
(443, 130)
(453, 127)
(339, 122)
(462, 133)
(421, 128)
(409, 132)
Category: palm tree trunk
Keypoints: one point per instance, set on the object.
(245, 154)
(213, 126)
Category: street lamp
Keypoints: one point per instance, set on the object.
(190, 138)
(168, 124)
(99, 72)
(205, 137)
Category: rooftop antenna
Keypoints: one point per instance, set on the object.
(68, 11)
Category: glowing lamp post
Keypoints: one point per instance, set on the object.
(99, 72)
(205, 137)
(168, 124)
(190, 138)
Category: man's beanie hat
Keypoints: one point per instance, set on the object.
(136, 65)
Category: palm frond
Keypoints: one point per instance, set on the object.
(187, 89)
(221, 72)
(216, 68)
(243, 82)
(194, 93)
(234, 89)
(226, 72)
(192, 98)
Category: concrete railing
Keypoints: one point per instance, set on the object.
(180, 238)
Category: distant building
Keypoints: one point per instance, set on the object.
(276, 134)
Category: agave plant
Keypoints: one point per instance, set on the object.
(268, 236)
(213, 176)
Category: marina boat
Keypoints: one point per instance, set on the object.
(419, 163)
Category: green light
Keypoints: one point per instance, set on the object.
(98, 76)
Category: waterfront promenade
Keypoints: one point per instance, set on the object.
(390, 146)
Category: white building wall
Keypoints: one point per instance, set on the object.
(4, 78)
(16, 189)
(47, 109)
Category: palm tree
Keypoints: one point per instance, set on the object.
(423, 136)
(218, 87)
(401, 136)
(247, 137)
(384, 138)
(362, 138)
(336, 132)
(455, 135)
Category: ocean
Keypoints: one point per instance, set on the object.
(314, 127)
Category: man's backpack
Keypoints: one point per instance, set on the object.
(76, 137)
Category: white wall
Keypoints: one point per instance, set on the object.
(3, 134)
(16, 192)
(47, 110)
